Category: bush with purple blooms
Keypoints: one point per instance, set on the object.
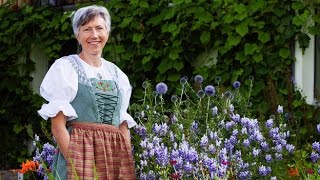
(207, 134)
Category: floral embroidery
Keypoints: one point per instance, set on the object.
(104, 86)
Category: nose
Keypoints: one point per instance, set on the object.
(94, 33)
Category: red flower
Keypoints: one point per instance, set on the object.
(225, 163)
(173, 162)
(293, 172)
(310, 171)
(175, 176)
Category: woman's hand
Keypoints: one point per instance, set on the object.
(60, 133)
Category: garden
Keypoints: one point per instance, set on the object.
(213, 89)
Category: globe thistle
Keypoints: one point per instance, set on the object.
(200, 93)
(161, 88)
(236, 84)
(174, 98)
(198, 79)
(210, 90)
(183, 81)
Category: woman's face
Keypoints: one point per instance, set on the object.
(93, 36)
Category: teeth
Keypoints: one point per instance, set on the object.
(93, 42)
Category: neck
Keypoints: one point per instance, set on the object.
(91, 59)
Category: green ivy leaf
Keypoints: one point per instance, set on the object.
(17, 128)
(165, 65)
(146, 59)
(258, 57)
(232, 41)
(174, 53)
(240, 56)
(239, 8)
(125, 22)
(137, 38)
(249, 49)
(297, 5)
(178, 65)
(297, 20)
(242, 29)
(284, 53)
(303, 40)
(264, 37)
(205, 37)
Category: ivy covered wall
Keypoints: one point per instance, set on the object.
(161, 41)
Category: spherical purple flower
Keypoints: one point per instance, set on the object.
(236, 84)
(316, 146)
(161, 88)
(210, 90)
(198, 79)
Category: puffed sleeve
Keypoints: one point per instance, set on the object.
(126, 89)
(59, 87)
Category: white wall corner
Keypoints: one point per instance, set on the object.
(304, 70)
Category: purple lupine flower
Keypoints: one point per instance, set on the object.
(269, 123)
(314, 157)
(236, 118)
(316, 146)
(235, 132)
(188, 167)
(214, 111)
(264, 146)
(229, 125)
(256, 152)
(204, 141)
(263, 171)
(162, 156)
(161, 88)
(198, 79)
(278, 156)
(268, 158)
(236, 84)
(194, 126)
(243, 175)
(231, 108)
(174, 119)
(151, 175)
(290, 148)
(280, 109)
(210, 90)
(246, 143)
(212, 149)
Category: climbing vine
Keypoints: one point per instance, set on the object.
(163, 41)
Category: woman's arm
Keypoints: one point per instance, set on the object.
(125, 132)
(60, 133)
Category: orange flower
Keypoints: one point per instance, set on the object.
(293, 172)
(28, 166)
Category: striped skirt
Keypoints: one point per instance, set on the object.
(99, 151)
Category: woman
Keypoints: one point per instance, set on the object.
(88, 99)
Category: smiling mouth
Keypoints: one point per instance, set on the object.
(94, 43)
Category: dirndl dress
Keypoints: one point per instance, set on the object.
(97, 148)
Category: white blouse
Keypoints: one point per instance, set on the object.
(60, 85)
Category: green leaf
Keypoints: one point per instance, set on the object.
(297, 21)
(258, 57)
(126, 21)
(284, 53)
(233, 41)
(178, 65)
(205, 37)
(303, 40)
(146, 59)
(297, 5)
(240, 56)
(174, 54)
(242, 29)
(17, 128)
(249, 49)
(239, 8)
(165, 65)
(137, 38)
(264, 37)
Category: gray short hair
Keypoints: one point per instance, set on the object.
(83, 15)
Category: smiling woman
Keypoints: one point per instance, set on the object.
(88, 98)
